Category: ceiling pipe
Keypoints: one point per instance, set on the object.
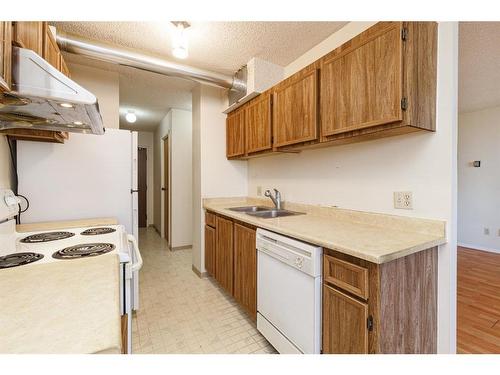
(122, 56)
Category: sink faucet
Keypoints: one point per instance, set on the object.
(276, 199)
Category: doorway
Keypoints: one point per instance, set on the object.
(166, 189)
(142, 186)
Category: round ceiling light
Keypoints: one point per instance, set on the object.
(131, 117)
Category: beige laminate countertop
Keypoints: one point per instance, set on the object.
(377, 238)
(52, 225)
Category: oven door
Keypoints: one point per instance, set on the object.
(135, 267)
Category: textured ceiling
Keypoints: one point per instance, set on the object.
(151, 95)
(218, 46)
(479, 65)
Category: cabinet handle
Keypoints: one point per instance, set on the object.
(369, 323)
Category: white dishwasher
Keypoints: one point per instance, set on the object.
(289, 293)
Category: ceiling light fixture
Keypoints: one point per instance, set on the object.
(180, 39)
(131, 117)
(66, 105)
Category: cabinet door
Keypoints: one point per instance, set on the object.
(51, 51)
(344, 323)
(63, 67)
(295, 109)
(5, 55)
(361, 86)
(224, 254)
(258, 124)
(245, 269)
(210, 250)
(235, 134)
(29, 35)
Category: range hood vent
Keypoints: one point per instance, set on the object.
(43, 98)
(259, 75)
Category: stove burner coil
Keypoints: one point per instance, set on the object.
(46, 237)
(97, 231)
(83, 250)
(19, 259)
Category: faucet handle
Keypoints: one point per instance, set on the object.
(267, 193)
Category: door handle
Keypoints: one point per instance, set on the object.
(134, 191)
(163, 189)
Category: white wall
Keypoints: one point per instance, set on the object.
(146, 140)
(105, 86)
(364, 176)
(177, 125)
(5, 164)
(213, 174)
(479, 188)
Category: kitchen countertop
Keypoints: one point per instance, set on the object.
(51, 225)
(377, 238)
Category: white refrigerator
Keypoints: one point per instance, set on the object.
(88, 176)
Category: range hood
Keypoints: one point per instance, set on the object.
(43, 98)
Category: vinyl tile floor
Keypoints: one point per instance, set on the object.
(180, 313)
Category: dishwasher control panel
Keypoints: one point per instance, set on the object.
(300, 255)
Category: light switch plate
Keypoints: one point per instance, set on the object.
(403, 200)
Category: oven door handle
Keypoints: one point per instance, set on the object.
(138, 264)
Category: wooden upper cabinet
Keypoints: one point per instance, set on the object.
(5, 55)
(51, 51)
(29, 35)
(235, 133)
(224, 253)
(245, 269)
(295, 108)
(361, 82)
(63, 67)
(258, 117)
(344, 323)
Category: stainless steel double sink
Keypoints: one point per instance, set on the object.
(264, 212)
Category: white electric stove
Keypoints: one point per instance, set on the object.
(32, 249)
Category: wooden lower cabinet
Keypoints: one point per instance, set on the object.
(245, 268)
(210, 250)
(397, 314)
(124, 333)
(224, 253)
(231, 258)
(5, 55)
(344, 323)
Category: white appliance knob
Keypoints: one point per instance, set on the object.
(298, 262)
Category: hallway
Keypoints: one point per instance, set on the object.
(181, 313)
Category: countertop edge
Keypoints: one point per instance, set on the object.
(357, 254)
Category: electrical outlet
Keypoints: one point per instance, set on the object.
(403, 200)
(259, 191)
(487, 231)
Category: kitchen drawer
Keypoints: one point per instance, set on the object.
(210, 219)
(347, 276)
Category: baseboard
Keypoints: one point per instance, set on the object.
(156, 229)
(201, 275)
(478, 247)
(181, 247)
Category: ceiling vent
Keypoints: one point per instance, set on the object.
(259, 76)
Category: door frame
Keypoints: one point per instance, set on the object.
(143, 149)
(166, 181)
